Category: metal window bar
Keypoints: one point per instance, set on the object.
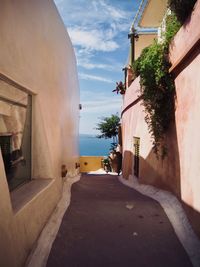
(136, 155)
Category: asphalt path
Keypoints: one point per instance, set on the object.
(110, 225)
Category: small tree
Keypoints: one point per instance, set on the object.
(109, 127)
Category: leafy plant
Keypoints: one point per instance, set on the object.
(181, 8)
(120, 88)
(106, 161)
(157, 85)
(106, 164)
(172, 27)
(109, 127)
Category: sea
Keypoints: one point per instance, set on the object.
(90, 145)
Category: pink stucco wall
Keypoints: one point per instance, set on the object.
(185, 50)
(179, 172)
(186, 36)
(129, 123)
(163, 173)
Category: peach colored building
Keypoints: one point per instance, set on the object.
(39, 118)
(179, 172)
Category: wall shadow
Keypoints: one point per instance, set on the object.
(164, 174)
(194, 217)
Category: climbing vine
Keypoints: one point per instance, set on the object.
(157, 85)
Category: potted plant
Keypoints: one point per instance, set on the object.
(106, 164)
(120, 88)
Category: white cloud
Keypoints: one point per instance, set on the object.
(113, 12)
(106, 105)
(85, 76)
(92, 12)
(97, 107)
(98, 28)
(97, 101)
(94, 26)
(92, 39)
(88, 64)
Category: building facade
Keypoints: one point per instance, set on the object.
(179, 171)
(39, 118)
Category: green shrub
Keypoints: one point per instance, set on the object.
(172, 27)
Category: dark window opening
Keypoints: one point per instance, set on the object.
(136, 141)
(15, 134)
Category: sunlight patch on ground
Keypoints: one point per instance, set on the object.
(101, 171)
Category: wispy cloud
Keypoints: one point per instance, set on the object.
(106, 104)
(98, 30)
(113, 12)
(94, 26)
(88, 64)
(85, 76)
(92, 12)
(95, 108)
(92, 39)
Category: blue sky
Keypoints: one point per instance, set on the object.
(98, 30)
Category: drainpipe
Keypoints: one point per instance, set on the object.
(125, 75)
(133, 35)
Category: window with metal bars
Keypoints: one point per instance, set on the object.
(136, 152)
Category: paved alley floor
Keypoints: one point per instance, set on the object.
(110, 225)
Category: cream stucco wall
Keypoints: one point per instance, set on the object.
(143, 41)
(153, 13)
(36, 53)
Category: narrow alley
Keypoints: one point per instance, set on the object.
(109, 224)
(89, 90)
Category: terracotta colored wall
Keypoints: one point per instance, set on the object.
(36, 52)
(179, 172)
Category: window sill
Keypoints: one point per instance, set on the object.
(28, 192)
